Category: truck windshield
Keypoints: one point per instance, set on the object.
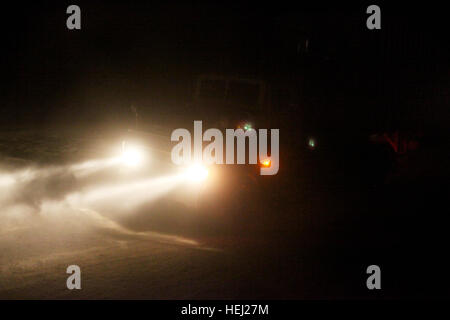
(213, 89)
(243, 93)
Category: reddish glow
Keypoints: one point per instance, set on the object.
(266, 163)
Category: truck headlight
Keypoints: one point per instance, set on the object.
(196, 173)
(132, 156)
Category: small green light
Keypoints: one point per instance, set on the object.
(311, 143)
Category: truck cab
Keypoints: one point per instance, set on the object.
(222, 102)
(231, 101)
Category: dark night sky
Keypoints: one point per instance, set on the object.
(147, 54)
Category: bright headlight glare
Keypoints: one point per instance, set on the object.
(196, 173)
(132, 157)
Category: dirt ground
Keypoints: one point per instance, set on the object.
(305, 239)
